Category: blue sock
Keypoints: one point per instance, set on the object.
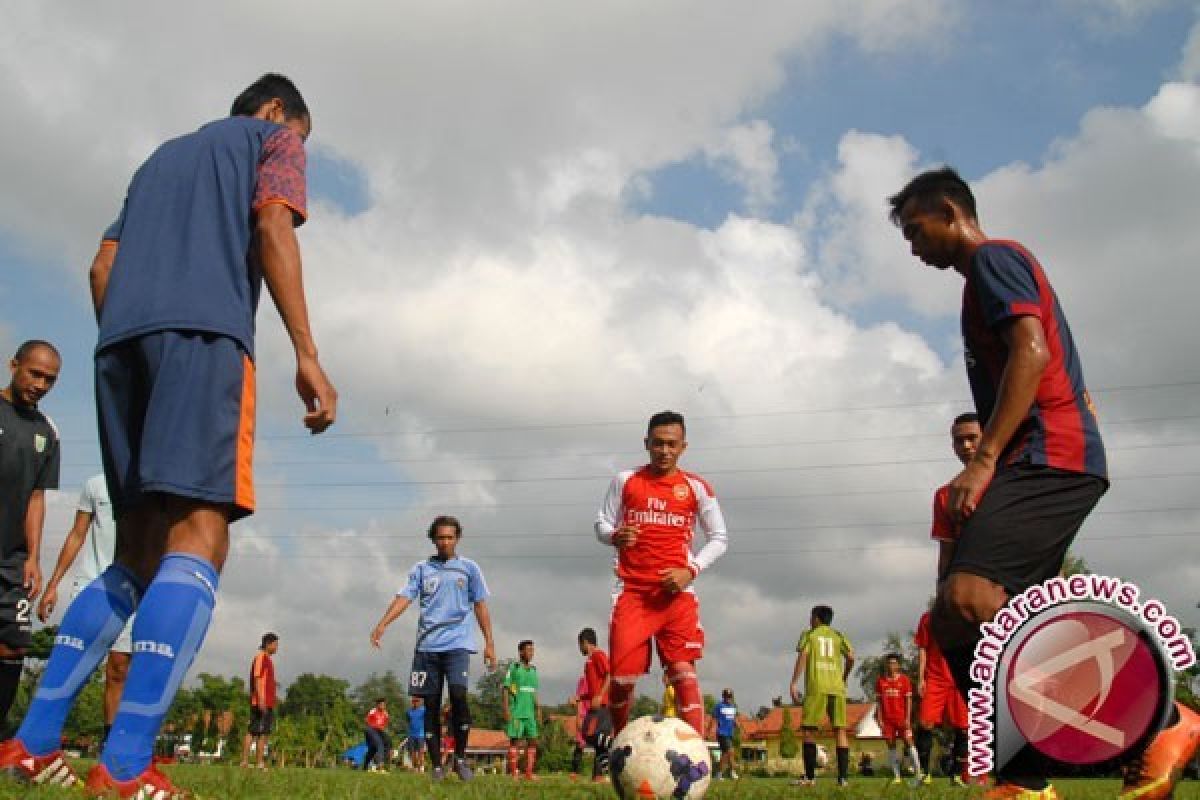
(92, 623)
(167, 634)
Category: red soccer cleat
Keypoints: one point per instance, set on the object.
(150, 785)
(48, 770)
(1152, 775)
(1010, 791)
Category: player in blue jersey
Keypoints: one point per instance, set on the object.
(206, 220)
(448, 590)
(1040, 457)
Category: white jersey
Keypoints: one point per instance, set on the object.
(101, 544)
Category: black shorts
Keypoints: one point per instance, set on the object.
(725, 743)
(598, 722)
(1028, 517)
(430, 671)
(16, 612)
(262, 721)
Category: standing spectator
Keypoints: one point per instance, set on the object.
(379, 744)
(416, 733)
(262, 700)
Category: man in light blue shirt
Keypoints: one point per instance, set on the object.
(94, 536)
(448, 588)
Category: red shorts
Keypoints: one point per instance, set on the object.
(942, 703)
(893, 728)
(671, 620)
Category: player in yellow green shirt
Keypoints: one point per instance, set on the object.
(824, 658)
(521, 710)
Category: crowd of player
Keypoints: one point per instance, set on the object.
(210, 217)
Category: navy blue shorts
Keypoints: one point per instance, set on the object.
(431, 670)
(176, 415)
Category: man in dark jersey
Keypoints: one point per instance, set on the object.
(176, 281)
(1040, 457)
(29, 461)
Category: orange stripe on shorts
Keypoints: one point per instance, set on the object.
(243, 492)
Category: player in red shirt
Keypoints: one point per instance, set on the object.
(597, 680)
(649, 515)
(262, 700)
(941, 702)
(379, 744)
(893, 712)
(965, 433)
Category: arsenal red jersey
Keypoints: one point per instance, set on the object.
(665, 509)
(945, 529)
(892, 694)
(935, 663)
(594, 673)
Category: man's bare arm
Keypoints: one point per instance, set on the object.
(98, 274)
(485, 626)
(66, 557)
(35, 518)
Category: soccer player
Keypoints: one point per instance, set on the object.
(824, 658)
(29, 462)
(175, 284)
(263, 692)
(941, 703)
(965, 434)
(448, 589)
(379, 743)
(521, 710)
(893, 710)
(597, 725)
(1040, 457)
(580, 701)
(649, 515)
(95, 533)
(725, 721)
(669, 709)
(416, 733)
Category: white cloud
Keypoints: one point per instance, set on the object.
(745, 155)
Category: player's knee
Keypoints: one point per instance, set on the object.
(116, 671)
(967, 600)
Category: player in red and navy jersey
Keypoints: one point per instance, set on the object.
(1040, 456)
(893, 712)
(649, 515)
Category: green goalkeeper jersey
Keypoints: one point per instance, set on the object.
(824, 664)
(521, 683)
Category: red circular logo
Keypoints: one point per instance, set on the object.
(1083, 687)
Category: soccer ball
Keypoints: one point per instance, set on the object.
(659, 757)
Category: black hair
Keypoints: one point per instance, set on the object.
(270, 87)
(379, 700)
(587, 635)
(727, 693)
(443, 521)
(27, 347)
(666, 418)
(935, 184)
(890, 656)
(267, 639)
(521, 645)
(965, 417)
(824, 614)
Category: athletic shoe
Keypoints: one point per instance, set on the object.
(50, 770)
(438, 774)
(573, 777)
(600, 779)
(461, 769)
(958, 781)
(733, 776)
(1010, 791)
(842, 782)
(805, 782)
(150, 785)
(1153, 773)
(896, 781)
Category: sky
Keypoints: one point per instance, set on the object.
(533, 224)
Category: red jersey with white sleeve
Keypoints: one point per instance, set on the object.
(666, 510)
(893, 694)
(944, 529)
(377, 718)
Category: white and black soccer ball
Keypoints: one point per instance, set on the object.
(659, 757)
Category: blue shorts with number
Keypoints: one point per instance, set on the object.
(431, 670)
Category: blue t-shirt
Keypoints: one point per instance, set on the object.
(416, 722)
(1004, 282)
(184, 237)
(726, 716)
(447, 592)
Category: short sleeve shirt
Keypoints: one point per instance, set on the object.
(944, 528)
(101, 542)
(447, 592)
(29, 461)
(594, 672)
(378, 719)
(262, 668)
(936, 668)
(892, 695)
(185, 236)
(1004, 282)
(725, 715)
(521, 683)
(827, 650)
(416, 722)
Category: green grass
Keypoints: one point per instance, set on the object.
(230, 783)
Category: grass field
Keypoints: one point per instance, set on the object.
(229, 783)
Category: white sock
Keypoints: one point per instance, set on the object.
(893, 762)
